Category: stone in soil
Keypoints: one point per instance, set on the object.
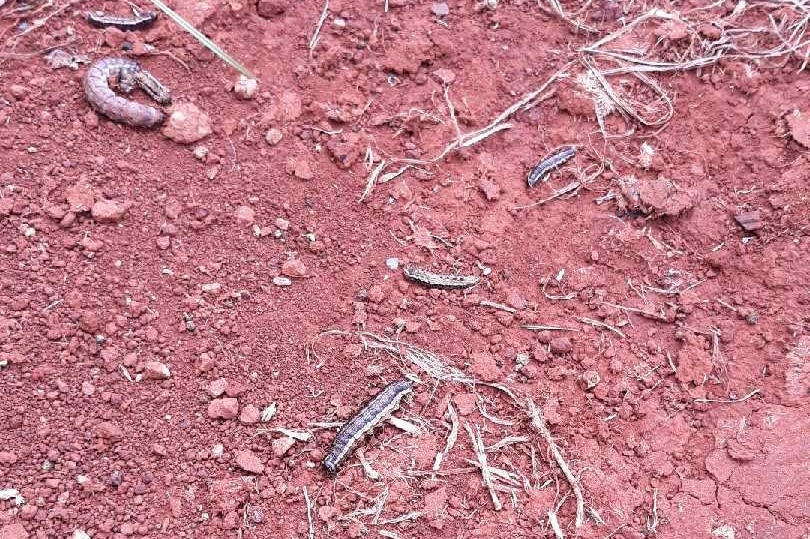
(282, 445)
(109, 431)
(249, 462)
(294, 268)
(217, 387)
(561, 345)
(799, 124)
(227, 495)
(245, 88)
(226, 408)
(107, 211)
(15, 530)
(249, 415)
(245, 215)
(187, 124)
(80, 197)
(749, 220)
(155, 370)
(273, 136)
(484, 367)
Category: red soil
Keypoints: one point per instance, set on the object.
(172, 245)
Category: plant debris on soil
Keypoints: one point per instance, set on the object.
(189, 314)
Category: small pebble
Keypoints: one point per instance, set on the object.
(282, 281)
(245, 88)
(282, 445)
(440, 9)
(273, 136)
(392, 263)
(294, 268)
(217, 451)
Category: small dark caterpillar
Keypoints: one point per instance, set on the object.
(371, 415)
(436, 280)
(138, 21)
(544, 167)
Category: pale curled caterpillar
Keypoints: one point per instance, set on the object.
(540, 172)
(124, 75)
(138, 21)
(377, 410)
(438, 280)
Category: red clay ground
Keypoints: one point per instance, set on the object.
(86, 296)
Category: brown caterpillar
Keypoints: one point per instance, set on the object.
(544, 167)
(371, 415)
(124, 75)
(437, 280)
(138, 21)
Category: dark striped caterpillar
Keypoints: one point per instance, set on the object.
(437, 280)
(125, 75)
(372, 414)
(138, 21)
(549, 163)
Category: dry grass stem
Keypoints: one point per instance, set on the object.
(556, 7)
(413, 515)
(541, 327)
(498, 421)
(539, 424)
(309, 514)
(452, 111)
(509, 440)
(465, 140)
(301, 436)
(480, 453)
(372, 180)
(598, 324)
(571, 187)
(730, 401)
(370, 472)
(428, 362)
(451, 437)
(199, 36)
(641, 312)
(555, 525)
(387, 177)
(403, 425)
(652, 518)
(499, 306)
(316, 35)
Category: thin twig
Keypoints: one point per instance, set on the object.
(372, 180)
(480, 453)
(597, 323)
(535, 327)
(539, 424)
(641, 312)
(573, 186)
(499, 306)
(451, 438)
(210, 45)
(316, 36)
(729, 401)
(309, 514)
(555, 525)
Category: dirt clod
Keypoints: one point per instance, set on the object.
(187, 124)
(225, 408)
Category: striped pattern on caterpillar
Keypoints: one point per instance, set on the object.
(438, 280)
(377, 410)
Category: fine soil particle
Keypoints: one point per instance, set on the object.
(187, 313)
